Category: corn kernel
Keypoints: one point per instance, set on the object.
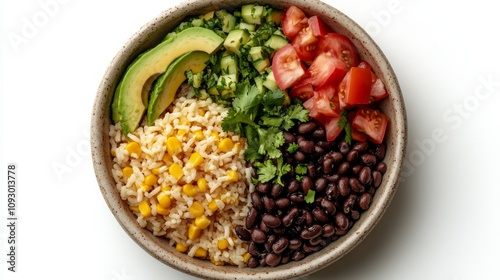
(155, 171)
(134, 148)
(165, 188)
(194, 232)
(167, 158)
(201, 112)
(216, 262)
(184, 121)
(222, 244)
(189, 190)
(198, 135)
(173, 145)
(176, 171)
(196, 209)
(195, 159)
(113, 152)
(145, 209)
(232, 176)
(225, 145)
(146, 187)
(134, 208)
(238, 147)
(202, 222)
(212, 205)
(162, 211)
(201, 253)
(202, 184)
(181, 247)
(230, 200)
(215, 135)
(181, 132)
(246, 257)
(151, 179)
(164, 200)
(127, 171)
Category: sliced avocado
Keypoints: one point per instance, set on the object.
(136, 83)
(168, 83)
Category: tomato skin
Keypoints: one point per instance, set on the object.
(332, 128)
(358, 86)
(294, 20)
(287, 67)
(326, 68)
(302, 91)
(377, 91)
(317, 26)
(324, 105)
(305, 44)
(341, 46)
(372, 122)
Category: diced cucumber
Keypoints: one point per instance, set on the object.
(228, 20)
(197, 22)
(276, 42)
(235, 39)
(252, 13)
(274, 15)
(257, 53)
(197, 79)
(262, 64)
(259, 80)
(270, 82)
(229, 64)
(227, 84)
(213, 91)
(247, 26)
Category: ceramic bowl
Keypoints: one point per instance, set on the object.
(151, 34)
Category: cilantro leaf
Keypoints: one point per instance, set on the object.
(309, 198)
(292, 148)
(282, 169)
(343, 123)
(301, 169)
(266, 170)
(270, 141)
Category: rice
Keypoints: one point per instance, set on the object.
(183, 120)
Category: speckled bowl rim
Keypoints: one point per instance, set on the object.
(149, 35)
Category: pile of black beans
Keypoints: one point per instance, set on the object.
(283, 227)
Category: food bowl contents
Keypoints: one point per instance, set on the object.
(249, 137)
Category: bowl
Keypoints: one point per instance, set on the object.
(150, 35)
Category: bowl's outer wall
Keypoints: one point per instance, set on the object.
(151, 34)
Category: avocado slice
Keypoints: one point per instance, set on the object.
(132, 92)
(168, 83)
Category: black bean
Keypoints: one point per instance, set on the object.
(328, 230)
(320, 185)
(242, 233)
(282, 203)
(269, 203)
(273, 259)
(381, 167)
(318, 151)
(364, 201)
(276, 190)
(307, 127)
(332, 191)
(344, 147)
(337, 157)
(271, 220)
(285, 259)
(257, 201)
(368, 159)
(356, 169)
(328, 206)
(319, 133)
(253, 249)
(310, 249)
(343, 186)
(320, 215)
(332, 178)
(349, 203)
(293, 186)
(294, 244)
(280, 245)
(315, 241)
(365, 175)
(269, 242)
(328, 165)
(253, 262)
(307, 184)
(263, 188)
(297, 197)
(356, 186)
(341, 220)
(380, 151)
(360, 146)
(258, 236)
(311, 232)
(299, 156)
(289, 137)
(377, 178)
(355, 215)
(308, 217)
(311, 170)
(352, 156)
(264, 227)
(279, 230)
(306, 146)
(298, 255)
(343, 168)
(251, 219)
(290, 216)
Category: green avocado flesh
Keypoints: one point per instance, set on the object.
(168, 83)
(131, 95)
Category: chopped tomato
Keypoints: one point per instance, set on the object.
(305, 44)
(356, 134)
(372, 122)
(358, 86)
(293, 21)
(287, 67)
(309, 104)
(325, 105)
(302, 91)
(341, 46)
(326, 68)
(317, 26)
(378, 91)
(332, 128)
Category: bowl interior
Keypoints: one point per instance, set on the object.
(152, 33)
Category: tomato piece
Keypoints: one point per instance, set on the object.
(358, 86)
(332, 128)
(293, 21)
(341, 46)
(309, 104)
(326, 68)
(305, 44)
(287, 67)
(356, 134)
(302, 91)
(317, 26)
(372, 122)
(325, 106)
(377, 91)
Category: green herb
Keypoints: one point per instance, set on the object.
(292, 148)
(267, 171)
(310, 196)
(300, 171)
(343, 123)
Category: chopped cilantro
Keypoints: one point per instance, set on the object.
(309, 198)
(292, 148)
(343, 123)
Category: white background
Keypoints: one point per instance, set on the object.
(444, 220)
